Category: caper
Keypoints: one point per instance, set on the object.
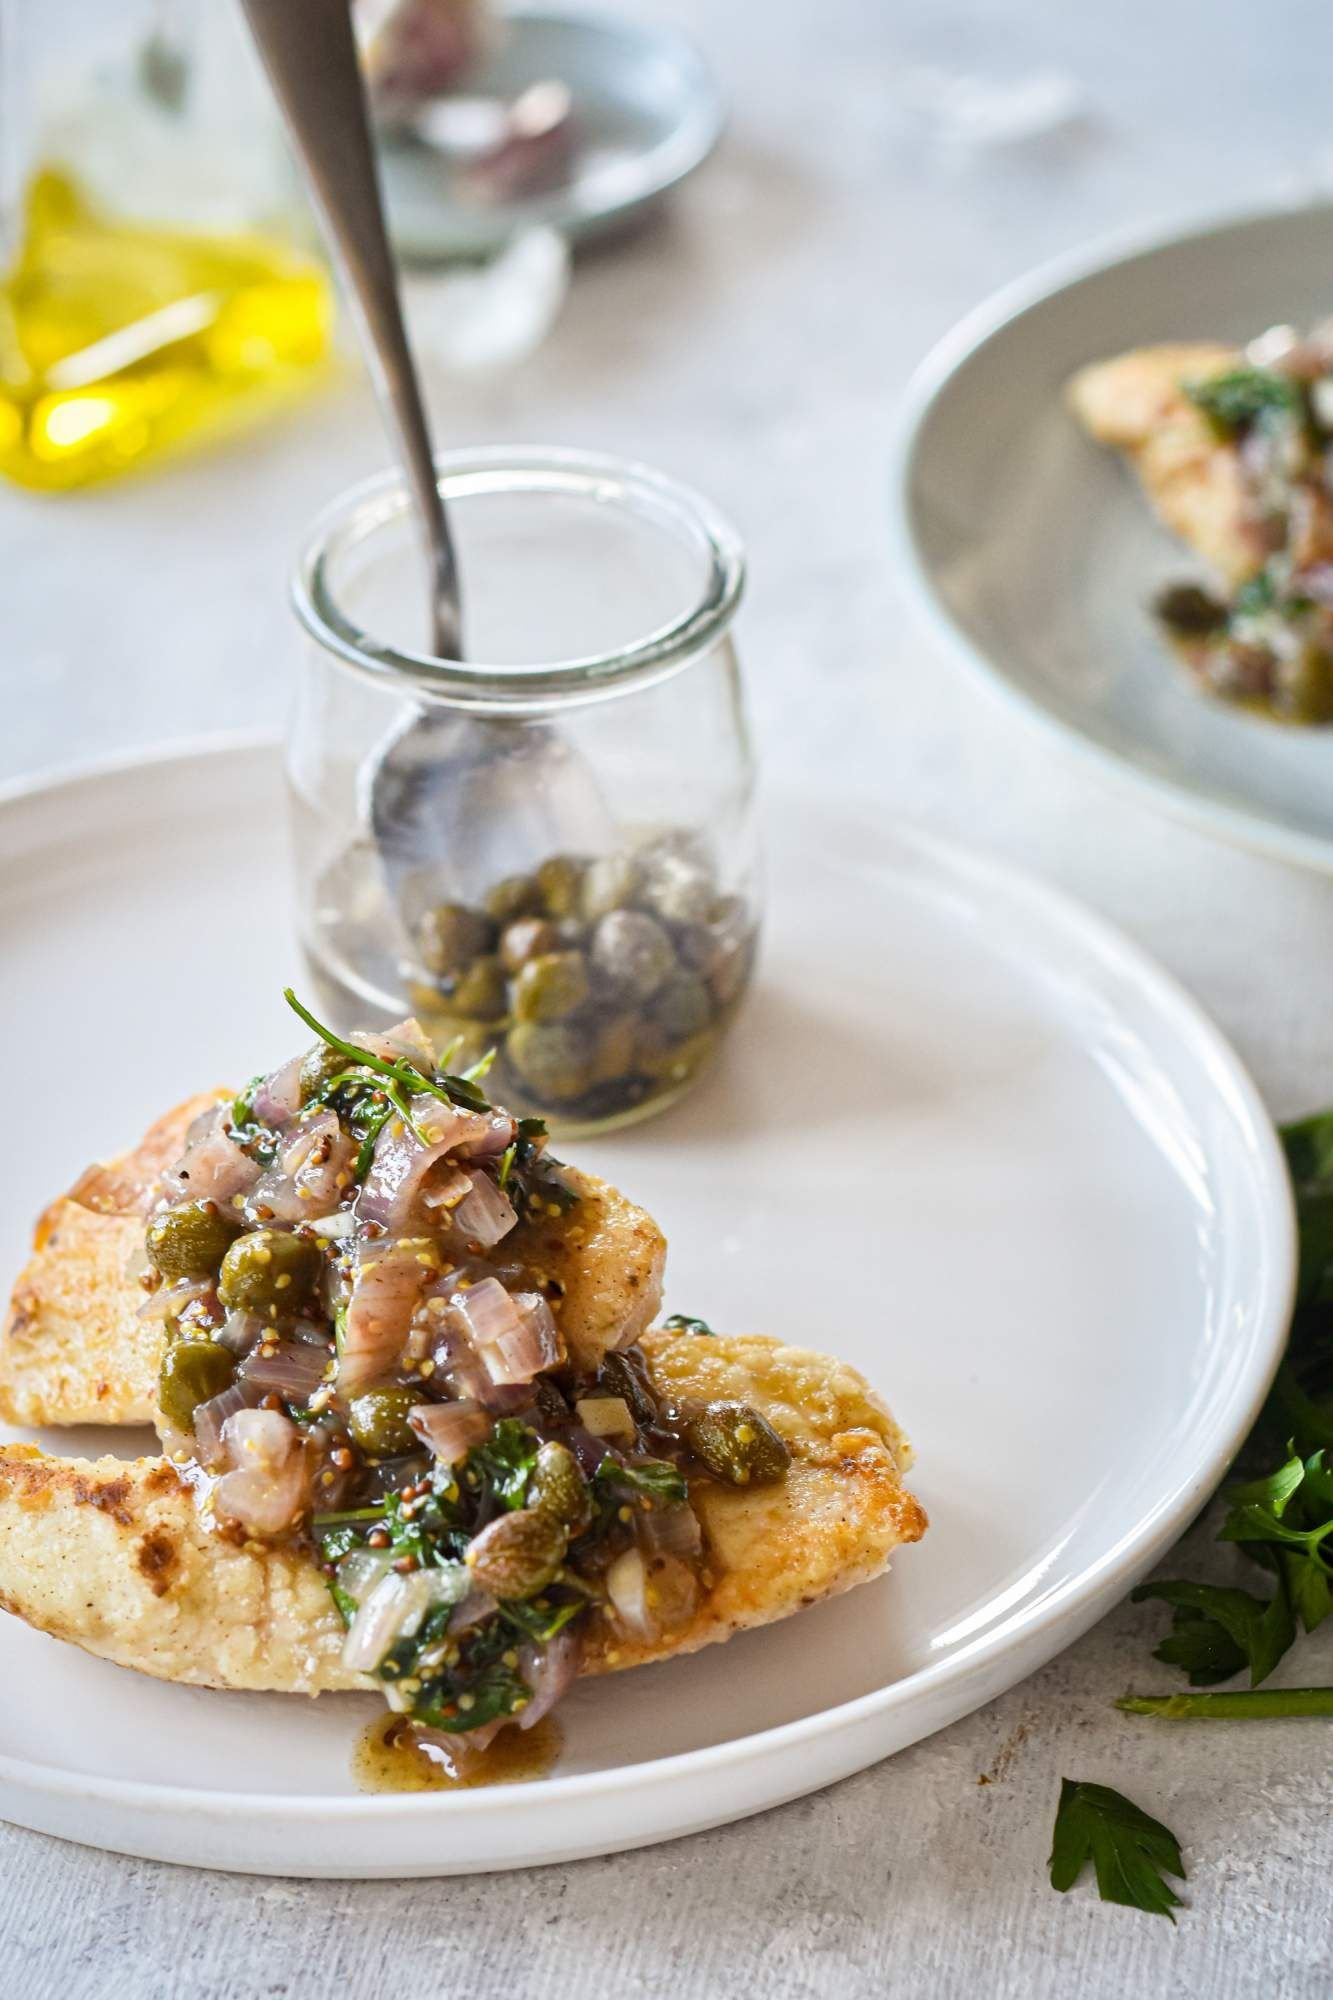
(667, 1061)
(516, 896)
(560, 880)
(681, 1007)
(735, 1443)
(608, 884)
(551, 1056)
(527, 938)
(632, 953)
(451, 935)
(378, 1421)
(552, 986)
(190, 1241)
(557, 1487)
(319, 1066)
(480, 993)
(518, 1554)
(625, 1375)
(269, 1272)
(613, 1052)
(192, 1372)
(678, 889)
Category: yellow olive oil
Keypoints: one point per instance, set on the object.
(120, 341)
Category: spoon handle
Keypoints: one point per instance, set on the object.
(309, 51)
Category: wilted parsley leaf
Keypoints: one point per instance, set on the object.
(657, 1478)
(505, 1461)
(1240, 395)
(686, 1323)
(1131, 1853)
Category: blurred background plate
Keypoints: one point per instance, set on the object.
(647, 109)
(1035, 551)
(965, 1136)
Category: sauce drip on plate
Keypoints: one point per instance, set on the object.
(390, 1757)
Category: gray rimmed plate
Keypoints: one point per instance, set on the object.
(1034, 553)
(648, 111)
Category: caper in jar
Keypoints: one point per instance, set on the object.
(613, 1051)
(519, 1554)
(516, 896)
(560, 880)
(269, 1272)
(189, 1241)
(735, 1443)
(527, 937)
(557, 1487)
(378, 1422)
(451, 935)
(192, 1372)
(551, 1056)
(679, 889)
(480, 993)
(632, 953)
(681, 1008)
(608, 884)
(319, 1066)
(552, 986)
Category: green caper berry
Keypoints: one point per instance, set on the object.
(516, 896)
(378, 1421)
(735, 1443)
(609, 884)
(528, 937)
(269, 1272)
(678, 890)
(613, 1052)
(551, 1057)
(682, 1007)
(480, 993)
(518, 1554)
(632, 953)
(192, 1372)
(560, 880)
(319, 1066)
(189, 1241)
(451, 936)
(557, 1487)
(552, 986)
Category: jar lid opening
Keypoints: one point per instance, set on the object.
(625, 490)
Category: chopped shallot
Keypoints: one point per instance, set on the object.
(311, 1175)
(651, 1596)
(379, 1314)
(278, 1097)
(395, 1608)
(292, 1369)
(450, 1429)
(401, 1164)
(265, 1491)
(169, 1301)
(210, 1419)
(485, 1213)
(212, 1167)
(549, 1671)
(535, 1345)
(605, 1416)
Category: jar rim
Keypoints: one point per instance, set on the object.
(377, 502)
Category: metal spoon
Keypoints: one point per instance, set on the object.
(454, 803)
(309, 51)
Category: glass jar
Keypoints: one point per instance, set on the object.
(552, 855)
(155, 288)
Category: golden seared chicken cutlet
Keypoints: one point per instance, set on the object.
(1234, 449)
(1138, 404)
(418, 1434)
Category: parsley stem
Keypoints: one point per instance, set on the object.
(1252, 1703)
(405, 1073)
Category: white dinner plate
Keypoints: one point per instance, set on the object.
(647, 111)
(1035, 553)
(965, 1135)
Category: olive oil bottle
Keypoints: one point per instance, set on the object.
(122, 340)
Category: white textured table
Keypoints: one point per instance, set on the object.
(753, 341)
